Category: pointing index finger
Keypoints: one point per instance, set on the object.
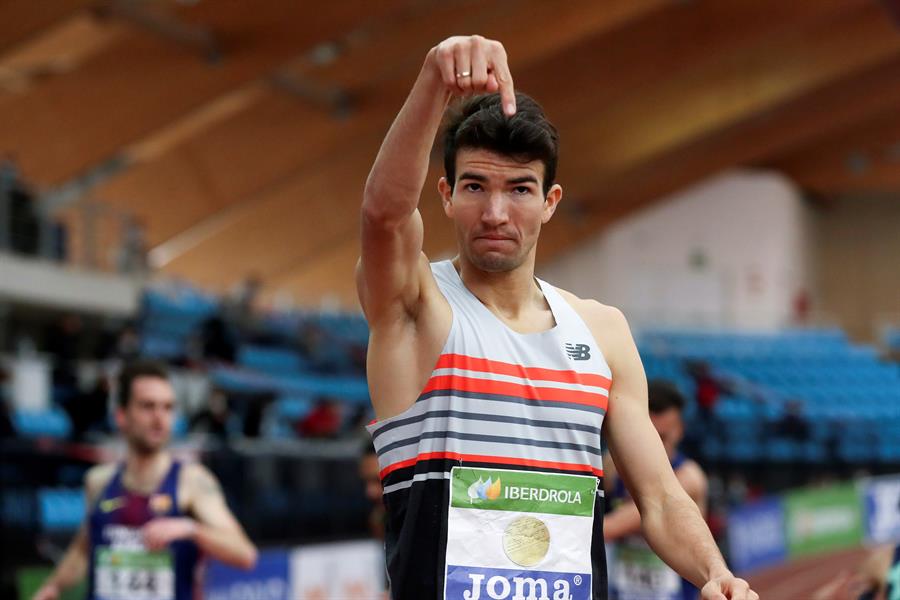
(504, 80)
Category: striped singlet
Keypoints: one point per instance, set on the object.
(493, 477)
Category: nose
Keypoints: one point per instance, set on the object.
(495, 210)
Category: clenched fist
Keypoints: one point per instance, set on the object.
(474, 65)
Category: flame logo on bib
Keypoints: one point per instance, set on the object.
(484, 490)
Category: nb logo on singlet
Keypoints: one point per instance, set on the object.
(578, 351)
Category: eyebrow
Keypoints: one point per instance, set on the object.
(514, 181)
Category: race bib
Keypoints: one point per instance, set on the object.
(893, 583)
(639, 574)
(132, 574)
(519, 535)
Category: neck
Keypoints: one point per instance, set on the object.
(144, 470)
(509, 293)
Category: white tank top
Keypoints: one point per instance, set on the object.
(498, 402)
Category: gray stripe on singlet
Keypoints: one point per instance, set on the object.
(452, 445)
(418, 477)
(476, 416)
(493, 439)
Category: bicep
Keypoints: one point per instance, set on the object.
(389, 271)
(208, 504)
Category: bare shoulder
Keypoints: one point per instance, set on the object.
(594, 312)
(198, 478)
(97, 478)
(607, 323)
(692, 478)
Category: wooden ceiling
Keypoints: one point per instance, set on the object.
(241, 132)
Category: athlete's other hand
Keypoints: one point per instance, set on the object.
(161, 532)
(474, 65)
(728, 587)
(48, 591)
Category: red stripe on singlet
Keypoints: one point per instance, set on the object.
(502, 460)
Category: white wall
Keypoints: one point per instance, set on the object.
(732, 251)
(43, 283)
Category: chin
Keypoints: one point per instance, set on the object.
(150, 446)
(495, 264)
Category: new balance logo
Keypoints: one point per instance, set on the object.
(578, 351)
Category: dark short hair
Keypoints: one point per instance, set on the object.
(479, 122)
(135, 369)
(664, 395)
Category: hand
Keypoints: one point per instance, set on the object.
(474, 65)
(48, 591)
(727, 587)
(159, 533)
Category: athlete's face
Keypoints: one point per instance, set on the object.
(146, 421)
(369, 473)
(498, 207)
(670, 428)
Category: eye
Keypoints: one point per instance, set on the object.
(473, 187)
(522, 190)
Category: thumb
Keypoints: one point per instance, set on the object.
(713, 591)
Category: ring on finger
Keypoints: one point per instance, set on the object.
(464, 74)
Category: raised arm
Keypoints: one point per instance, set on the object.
(671, 521)
(390, 271)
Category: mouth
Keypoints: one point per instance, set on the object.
(494, 238)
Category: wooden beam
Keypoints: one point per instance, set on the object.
(57, 49)
(796, 122)
(864, 157)
(134, 88)
(300, 137)
(21, 21)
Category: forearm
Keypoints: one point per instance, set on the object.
(71, 569)
(398, 175)
(676, 531)
(226, 545)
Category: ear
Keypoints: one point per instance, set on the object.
(554, 197)
(120, 418)
(446, 192)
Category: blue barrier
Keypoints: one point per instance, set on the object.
(757, 535)
(269, 580)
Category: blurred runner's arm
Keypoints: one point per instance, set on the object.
(213, 528)
(74, 564)
(625, 519)
(71, 569)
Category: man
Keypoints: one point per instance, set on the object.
(150, 517)
(490, 387)
(637, 573)
(369, 474)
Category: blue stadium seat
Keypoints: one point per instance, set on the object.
(53, 423)
(60, 509)
(276, 361)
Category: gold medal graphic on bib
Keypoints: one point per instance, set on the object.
(526, 541)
